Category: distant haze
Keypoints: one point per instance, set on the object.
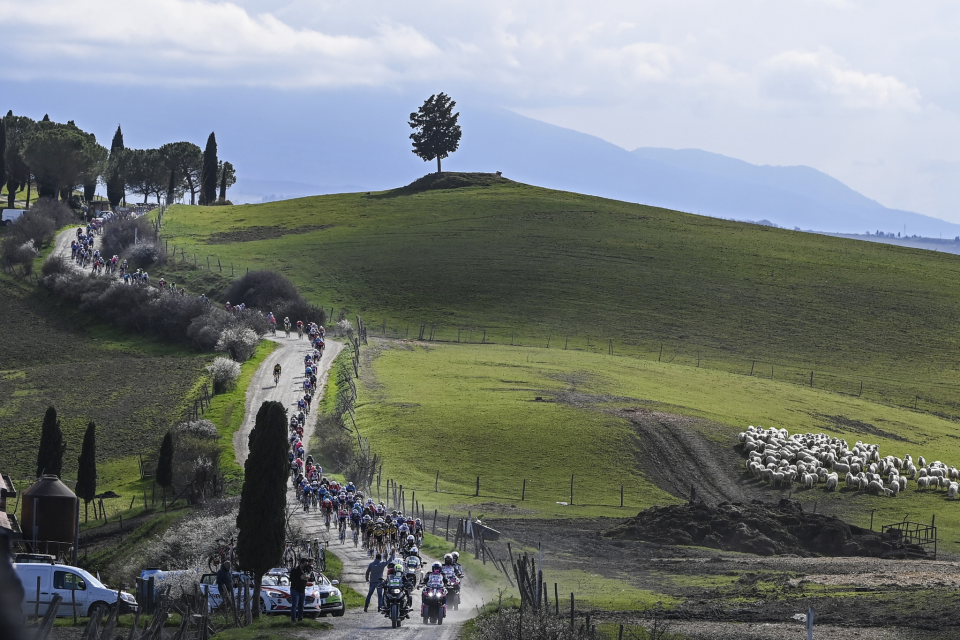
(309, 143)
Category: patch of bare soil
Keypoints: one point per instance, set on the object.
(740, 596)
(759, 528)
(677, 457)
(252, 234)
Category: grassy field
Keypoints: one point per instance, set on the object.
(133, 388)
(470, 410)
(529, 265)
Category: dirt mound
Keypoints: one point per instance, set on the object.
(453, 180)
(759, 528)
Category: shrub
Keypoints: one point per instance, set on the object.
(203, 429)
(260, 289)
(180, 318)
(145, 254)
(239, 342)
(55, 265)
(33, 230)
(118, 235)
(225, 372)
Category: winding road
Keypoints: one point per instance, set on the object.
(355, 624)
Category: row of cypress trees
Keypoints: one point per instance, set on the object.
(261, 519)
(52, 448)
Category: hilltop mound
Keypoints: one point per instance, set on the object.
(453, 180)
(758, 528)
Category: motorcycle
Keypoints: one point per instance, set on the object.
(411, 577)
(395, 601)
(453, 592)
(433, 603)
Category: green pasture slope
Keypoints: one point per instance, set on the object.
(471, 410)
(133, 388)
(528, 265)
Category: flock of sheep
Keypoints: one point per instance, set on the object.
(782, 460)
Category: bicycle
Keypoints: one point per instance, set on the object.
(342, 534)
(286, 328)
(356, 538)
(276, 375)
(320, 554)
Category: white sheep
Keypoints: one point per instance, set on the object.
(832, 481)
(952, 490)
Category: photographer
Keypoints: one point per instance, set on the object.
(299, 578)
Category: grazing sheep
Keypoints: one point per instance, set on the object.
(922, 483)
(903, 483)
(839, 467)
(832, 481)
(952, 491)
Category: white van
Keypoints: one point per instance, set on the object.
(73, 584)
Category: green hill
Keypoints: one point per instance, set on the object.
(133, 388)
(527, 264)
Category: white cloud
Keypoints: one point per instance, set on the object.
(199, 41)
(812, 76)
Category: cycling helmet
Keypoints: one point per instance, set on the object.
(379, 520)
(367, 518)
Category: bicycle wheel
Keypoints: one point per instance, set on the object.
(322, 561)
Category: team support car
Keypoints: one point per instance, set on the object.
(322, 596)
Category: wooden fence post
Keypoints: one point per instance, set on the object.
(436, 482)
(571, 489)
(477, 494)
(523, 493)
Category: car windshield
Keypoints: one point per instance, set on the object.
(90, 580)
(275, 581)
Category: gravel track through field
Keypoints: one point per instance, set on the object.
(289, 355)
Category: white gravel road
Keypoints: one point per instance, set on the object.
(289, 354)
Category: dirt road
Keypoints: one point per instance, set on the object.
(289, 354)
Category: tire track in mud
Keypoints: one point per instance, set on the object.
(676, 455)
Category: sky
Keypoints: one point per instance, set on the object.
(868, 92)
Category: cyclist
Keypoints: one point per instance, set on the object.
(299, 328)
(286, 326)
(273, 322)
(276, 373)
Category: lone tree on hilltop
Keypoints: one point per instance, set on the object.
(208, 172)
(261, 519)
(437, 133)
(164, 473)
(86, 488)
(52, 446)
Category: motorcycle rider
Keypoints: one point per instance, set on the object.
(435, 578)
(456, 564)
(409, 546)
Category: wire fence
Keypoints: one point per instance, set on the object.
(937, 398)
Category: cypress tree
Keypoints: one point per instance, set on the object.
(115, 182)
(3, 152)
(86, 488)
(261, 519)
(164, 475)
(52, 446)
(208, 175)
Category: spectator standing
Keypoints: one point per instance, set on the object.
(375, 576)
(299, 578)
(225, 583)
